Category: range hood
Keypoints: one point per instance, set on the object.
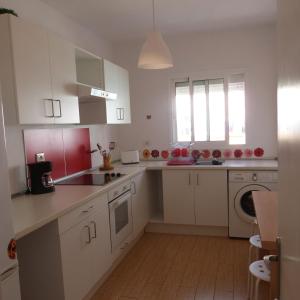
(85, 92)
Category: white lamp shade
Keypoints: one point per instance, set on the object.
(155, 53)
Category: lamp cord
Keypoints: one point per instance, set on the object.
(153, 11)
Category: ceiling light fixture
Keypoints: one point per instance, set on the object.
(155, 53)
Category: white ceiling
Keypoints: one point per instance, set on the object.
(128, 19)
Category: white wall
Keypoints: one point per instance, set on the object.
(39, 13)
(253, 50)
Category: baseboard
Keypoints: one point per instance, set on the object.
(187, 229)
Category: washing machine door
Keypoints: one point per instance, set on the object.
(243, 202)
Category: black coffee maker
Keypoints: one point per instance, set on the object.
(40, 180)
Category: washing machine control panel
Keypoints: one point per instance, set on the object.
(248, 176)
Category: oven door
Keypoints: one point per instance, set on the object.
(120, 213)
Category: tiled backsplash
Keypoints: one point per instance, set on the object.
(67, 148)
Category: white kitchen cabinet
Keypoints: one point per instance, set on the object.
(178, 197)
(38, 73)
(116, 80)
(30, 59)
(85, 247)
(101, 258)
(63, 79)
(140, 202)
(103, 89)
(76, 261)
(211, 205)
(195, 197)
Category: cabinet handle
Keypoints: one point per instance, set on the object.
(189, 178)
(197, 179)
(60, 113)
(133, 188)
(120, 113)
(89, 233)
(52, 109)
(118, 110)
(125, 245)
(95, 229)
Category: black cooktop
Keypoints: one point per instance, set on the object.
(91, 179)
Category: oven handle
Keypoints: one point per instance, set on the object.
(118, 201)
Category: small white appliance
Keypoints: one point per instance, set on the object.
(130, 157)
(9, 273)
(241, 206)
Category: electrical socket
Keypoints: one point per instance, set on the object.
(40, 157)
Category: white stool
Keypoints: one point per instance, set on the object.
(260, 272)
(255, 244)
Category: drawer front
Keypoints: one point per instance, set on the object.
(120, 189)
(80, 213)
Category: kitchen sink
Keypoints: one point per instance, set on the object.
(190, 161)
(202, 162)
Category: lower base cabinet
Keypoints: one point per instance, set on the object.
(86, 250)
(140, 202)
(195, 197)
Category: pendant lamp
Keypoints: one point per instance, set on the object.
(155, 53)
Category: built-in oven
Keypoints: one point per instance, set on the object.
(120, 213)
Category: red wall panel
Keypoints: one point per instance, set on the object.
(77, 149)
(67, 148)
(49, 141)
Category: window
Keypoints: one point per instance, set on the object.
(200, 110)
(236, 109)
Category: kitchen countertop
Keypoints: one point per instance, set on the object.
(31, 212)
(262, 164)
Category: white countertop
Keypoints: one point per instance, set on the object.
(31, 212)
(258, 164)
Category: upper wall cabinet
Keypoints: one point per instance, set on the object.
(117, 81)
(38, 72)
(103, 88)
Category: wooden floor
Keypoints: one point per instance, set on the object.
(163, 266)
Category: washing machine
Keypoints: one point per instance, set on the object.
(241, 207)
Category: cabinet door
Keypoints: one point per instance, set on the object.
(178, 194)
(117, 81)
(32, 72)
(211, 203)
(140, 203)
(101, 256)
(63, 79)
(76, 261)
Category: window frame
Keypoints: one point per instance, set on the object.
(206, 76)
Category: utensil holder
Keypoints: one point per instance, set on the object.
(107, 166)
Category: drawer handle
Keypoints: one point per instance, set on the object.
(125, 246)
(88, 209)
(95, 229)
(89, 234)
